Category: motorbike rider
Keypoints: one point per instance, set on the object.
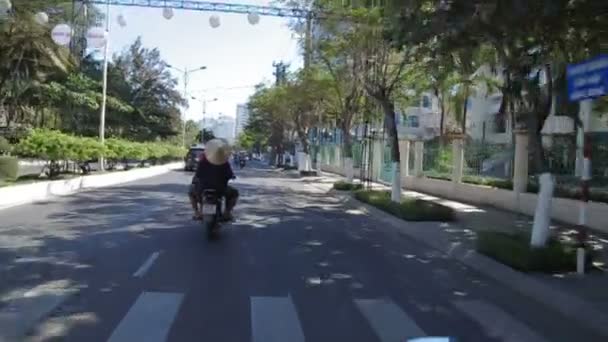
(214, 172)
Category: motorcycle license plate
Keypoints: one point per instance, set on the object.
(208, 209)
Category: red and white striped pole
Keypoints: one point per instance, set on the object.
(582, 235)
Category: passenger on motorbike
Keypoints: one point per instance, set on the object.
(213, 173)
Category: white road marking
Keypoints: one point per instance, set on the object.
(497, 323)
(26, 309)
(149, 319)
(388, 321)
(143, 269)
(274, 319)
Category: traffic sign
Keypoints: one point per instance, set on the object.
(588, 80)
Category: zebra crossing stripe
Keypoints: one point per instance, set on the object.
(497, 323)
(28, 308)
(274, 319)
(149, 319)
(388, 321)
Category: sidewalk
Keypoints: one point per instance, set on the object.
(582, 298)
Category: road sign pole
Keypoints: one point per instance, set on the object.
(586, 108)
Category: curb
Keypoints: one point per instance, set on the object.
(15, 195)
(566, 304)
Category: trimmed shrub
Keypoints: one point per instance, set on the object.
(5, 146)
(410, 209)
(514, 250)
(9, 168)
(346, 186)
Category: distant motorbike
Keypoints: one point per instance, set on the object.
(242, 163)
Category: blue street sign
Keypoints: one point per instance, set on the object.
(588, 80)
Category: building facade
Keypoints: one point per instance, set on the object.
(222, 126)
(242, 118)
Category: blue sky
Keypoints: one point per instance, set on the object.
(236, 54)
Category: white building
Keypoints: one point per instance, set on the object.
(242, 118)
(221, 126)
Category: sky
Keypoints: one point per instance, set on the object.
(237, 55)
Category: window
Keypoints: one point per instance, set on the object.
(426, 102)
(413, 121)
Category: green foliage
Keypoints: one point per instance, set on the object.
(514, 250)
(5, 146)
(410, 209)
(56, 146)
(9, 168)
(346, 186)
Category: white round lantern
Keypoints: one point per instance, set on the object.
(168, 13)
(62, 34)
(96, 37)
(122, 22)
(214, 21)
(253, 18)
(41, 18)
(5, 7)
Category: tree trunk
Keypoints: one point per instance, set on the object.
(348, 151)
(464, 111)
(391, 125)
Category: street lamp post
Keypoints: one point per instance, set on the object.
(186, 75)
(104, 92)
(204, 102)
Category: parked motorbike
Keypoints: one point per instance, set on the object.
(212, 208)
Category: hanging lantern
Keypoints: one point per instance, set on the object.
(62, 34)
(5, 8)
(96, 37)
(168, 13)
(253, 18)
(214, 21)
(41, 18)
(122, 22)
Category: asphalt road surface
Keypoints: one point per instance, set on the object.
(128, 264)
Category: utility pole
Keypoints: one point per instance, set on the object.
(104, 93)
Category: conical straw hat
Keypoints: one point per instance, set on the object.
(217, 151)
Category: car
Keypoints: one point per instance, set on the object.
(193, 156)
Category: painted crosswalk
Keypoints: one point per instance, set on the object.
(388, 321)
(149, 319)
(23, 309)
(272, 318)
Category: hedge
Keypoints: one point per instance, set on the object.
(514, 250)
(9, 168)
(346, 186)
(410, 209)
(56, 146)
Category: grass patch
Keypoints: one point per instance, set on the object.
(514, 250)
(346, 186)
(410, 209)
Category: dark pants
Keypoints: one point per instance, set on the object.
(231, 194)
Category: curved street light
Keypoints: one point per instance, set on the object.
(204, 102)
(186, 73)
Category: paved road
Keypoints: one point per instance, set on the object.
(128, 264)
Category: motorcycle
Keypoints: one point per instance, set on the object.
(212, 208)
(242, 163)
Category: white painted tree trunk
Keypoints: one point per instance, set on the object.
(349, 169)
(304, 162)
(542, 215)
(396, 188)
